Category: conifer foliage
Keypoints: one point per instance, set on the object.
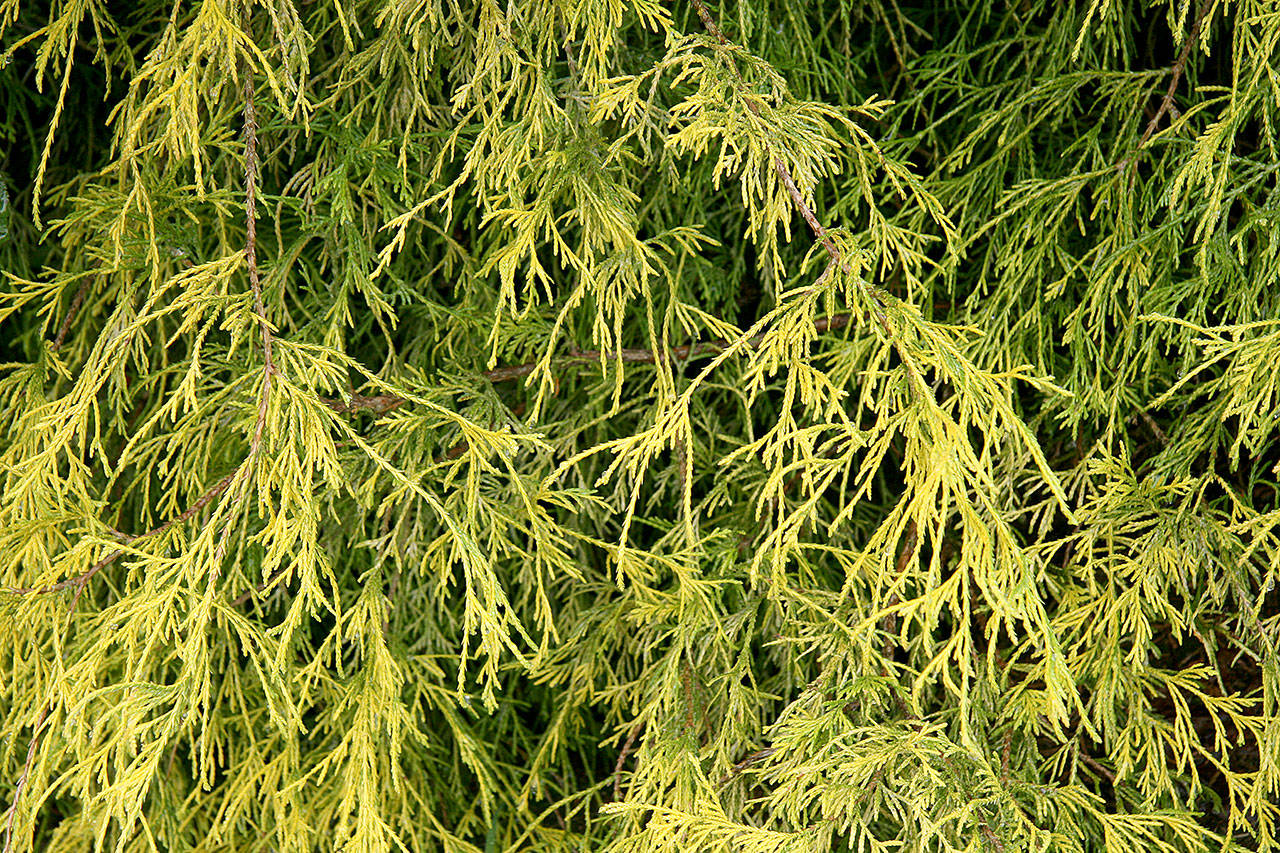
(787, 425)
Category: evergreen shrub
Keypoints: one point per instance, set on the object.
(560, 425)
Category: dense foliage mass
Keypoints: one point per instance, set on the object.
(612, 425)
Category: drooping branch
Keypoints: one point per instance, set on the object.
(251, 173)
(780, 167)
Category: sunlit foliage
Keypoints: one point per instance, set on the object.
(632, 426)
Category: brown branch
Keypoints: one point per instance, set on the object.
(622, 757)
(383, 403)
(1153, 426)
(22, 780)
(249, 593)
(641, 356)
(1096, 767)
(806, 212)
(780, 167)
(645, 356)
(1006, 750)
(80, 580)
(76, 302)
(201, 503)
(710, 22)
(908, 550)
(684, 470)
(251, 174)
(868, 792)
(992, 839)
(758, 755)
(379, 405)
(251, 169)
(1176, 70)
(686, 682)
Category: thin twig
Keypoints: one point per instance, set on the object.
(394, 586)
(908, 550)
(1175, 72)
(646, 356)
(622, 757)
(80, 580)
(780, 167)
(251, 174)
(379, 405)
(200, 504)
(1006, 751)
(251, 591)
(255, 284)
(686, 681)
(758, 755)
(1154, 427)
(991, 838)
(76, 302)
(876, 297)
(22, 780)
(709, 22)
(1096, 767)
(684, 470)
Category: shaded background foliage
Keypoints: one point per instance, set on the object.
(435, 425)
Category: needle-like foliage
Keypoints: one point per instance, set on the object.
(636, 426)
